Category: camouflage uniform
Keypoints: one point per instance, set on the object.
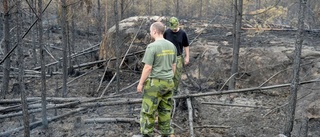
(177, 75)
(158, 88)
(157, 96)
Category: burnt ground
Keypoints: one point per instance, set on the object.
(257, 113)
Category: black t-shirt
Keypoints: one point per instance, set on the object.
(179, 39)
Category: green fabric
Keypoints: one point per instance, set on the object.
(177, 75)
(160, 54)
(173, 23)
(157, 96)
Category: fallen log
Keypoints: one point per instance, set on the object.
(18, 100)
(121, 102)
(255, 89)
(190, 110)
(106, 120)
(101, 61)
(37, 106)
(15, 107)
(26, 76)
(72, 56)
(55, 99)
(233, 105)
(72, 104)
(211, 126)
(31, 107)
(39, 123)
(134, 101)
(49, 99)
(243, 90)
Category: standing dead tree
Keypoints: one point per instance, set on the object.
(6, 72)
(296, 69)
(64, 24)
(43, 73)
(116, 42)
(236, 41)
(21, 70)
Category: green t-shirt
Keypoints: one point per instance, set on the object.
(160, 54)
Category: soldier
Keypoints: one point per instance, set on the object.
(180, 39)
(156, 79)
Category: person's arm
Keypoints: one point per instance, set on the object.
(186, 58)
(145, 73)
(185, 43)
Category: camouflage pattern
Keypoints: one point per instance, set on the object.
(157, 95)
(177, 75)
(173, 23)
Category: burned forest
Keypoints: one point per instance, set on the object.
(71, 68)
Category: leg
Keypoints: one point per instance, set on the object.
(150, 102)
(177, 78)
(177, 75)
(165, 109)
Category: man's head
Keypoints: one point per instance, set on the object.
(157, 29)
(174, 23)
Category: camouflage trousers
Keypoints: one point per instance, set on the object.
(157, 97)
(177, 74)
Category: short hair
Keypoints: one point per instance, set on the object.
(159, 27)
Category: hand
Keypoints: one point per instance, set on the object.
(139, 88)
(186, 61)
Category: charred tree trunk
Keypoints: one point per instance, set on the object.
(177, 8)
(296, 69)
(208, 11)
(65, 47)
(116, 43)
(200, 8)
(258, 4)
(34, 33)
(69, 40)
(121, 9)
(99, 27)
(73, 38)
(167, 8)
(6, 69)
(236, 41)
(106, 18)
(43, 69)
(21, 70)
(150, 7)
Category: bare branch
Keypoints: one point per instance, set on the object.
(233, 105)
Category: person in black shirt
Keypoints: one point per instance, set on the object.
(180, 39)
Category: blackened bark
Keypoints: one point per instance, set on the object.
(33, 32)
(116, 45)
(296, 69)
(21, 70)
(6, 69)
(99, 18)
(236, 42)
(43, 69)
(177, 8)
(65, 47)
